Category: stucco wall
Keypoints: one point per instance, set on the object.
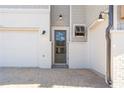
(96, 38)
(97, 47)
(78, 55)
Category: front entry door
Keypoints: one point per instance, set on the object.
(60, 47)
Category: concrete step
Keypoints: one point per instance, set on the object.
(59, 66)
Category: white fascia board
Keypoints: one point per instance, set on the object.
(24, 11)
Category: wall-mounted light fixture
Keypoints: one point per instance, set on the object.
(60, 17)
(60, 20)
(101, 17)
(43, 32)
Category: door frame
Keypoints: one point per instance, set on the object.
(53, 43)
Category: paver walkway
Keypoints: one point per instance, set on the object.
(50, 78)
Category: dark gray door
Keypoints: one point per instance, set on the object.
(60, 46)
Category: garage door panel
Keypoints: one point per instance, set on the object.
(19, 48)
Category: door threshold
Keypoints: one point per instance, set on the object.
(59, 66)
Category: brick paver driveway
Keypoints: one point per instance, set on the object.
(36, 77)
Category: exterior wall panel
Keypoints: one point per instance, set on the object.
(117, 52)
(56, 10)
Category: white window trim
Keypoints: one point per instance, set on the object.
(81, 37)
(74, 29)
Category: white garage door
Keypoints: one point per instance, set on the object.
(18, 47)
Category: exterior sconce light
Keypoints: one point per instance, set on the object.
(101, 18)
(60, 17)
(43, 32)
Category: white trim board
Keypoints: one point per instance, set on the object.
(19, 28)
(24, 11)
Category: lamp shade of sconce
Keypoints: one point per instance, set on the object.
(43, 32)
(60, 17)
(100, 17)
